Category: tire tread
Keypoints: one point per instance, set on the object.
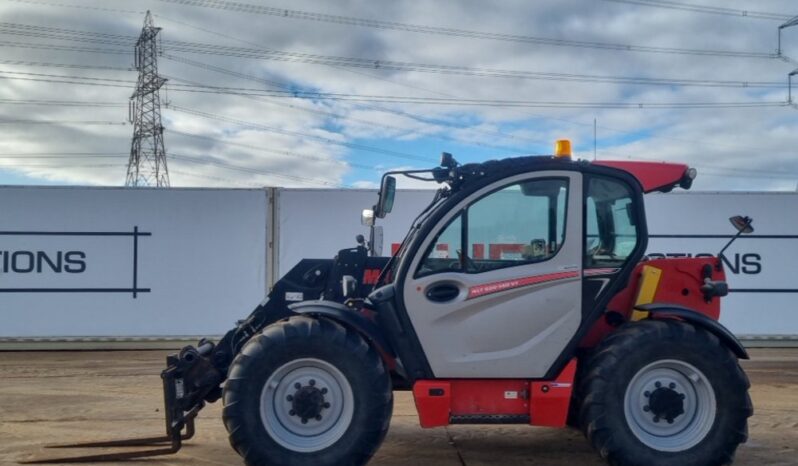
(602, 364)
(273, 339)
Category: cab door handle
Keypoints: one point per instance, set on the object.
(442, 292)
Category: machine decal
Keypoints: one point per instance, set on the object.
(504, 285)
(294, 296)
(649, 281)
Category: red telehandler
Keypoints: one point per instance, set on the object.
(520, 295)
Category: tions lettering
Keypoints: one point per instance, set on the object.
(42, 262)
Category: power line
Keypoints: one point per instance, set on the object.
(62, 65)
(82, 7)
(272, 151)
(59, 155)
(55, 32)
(256, 126)
(62, 122)
(559, 77)
(739, 172)
(68, 77)
(788, 24)
(340, 117)
(229, 72)
(57, 81)
(184, 158)
(415, 117)
(254, 171)
(60, 103)
(481, 102)
(378, 108)
(510, 37)
(206, 89)
(454, 32)
(707, 9)
(17, 166)
(62, 48)
(389, 65)
(655, 135)
(616, 130)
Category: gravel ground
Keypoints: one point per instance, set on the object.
(56, 397)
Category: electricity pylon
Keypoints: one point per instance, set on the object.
(147, 164)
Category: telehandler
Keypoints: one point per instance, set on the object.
(520, 295)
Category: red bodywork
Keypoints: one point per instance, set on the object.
(653, 176)
(679, 283)
(545, 403)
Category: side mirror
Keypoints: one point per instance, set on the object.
(367, 217)
(742, 224)
(387, 193)
(348, 285)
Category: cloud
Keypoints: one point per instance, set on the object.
(301, 142)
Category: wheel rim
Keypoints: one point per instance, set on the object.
(306, 405)
(670, 405)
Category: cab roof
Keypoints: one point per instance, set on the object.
(652, 176)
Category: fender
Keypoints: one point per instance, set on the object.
(347, 317)
(665, 310)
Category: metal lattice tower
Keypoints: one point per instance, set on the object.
(147, 164)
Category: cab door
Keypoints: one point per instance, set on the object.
(495, 290)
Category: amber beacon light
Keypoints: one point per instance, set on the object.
(562, 148)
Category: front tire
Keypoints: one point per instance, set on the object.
(307, 391)
(664, 393)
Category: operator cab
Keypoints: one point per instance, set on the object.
(465, 289)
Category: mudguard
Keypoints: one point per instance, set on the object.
(664, 310)
(348, 317)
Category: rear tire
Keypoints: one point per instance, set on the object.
(307, 391)
(664, 393)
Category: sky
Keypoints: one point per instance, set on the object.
(406, 75)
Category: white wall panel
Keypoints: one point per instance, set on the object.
(316, 223)
(762, 268)
(197, 264)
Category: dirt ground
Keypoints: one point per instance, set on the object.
(55, 397)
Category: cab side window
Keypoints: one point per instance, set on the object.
(521, 223)
(445, 254)
(611, 223)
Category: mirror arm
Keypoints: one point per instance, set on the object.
(371, 241)
(734, 238)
